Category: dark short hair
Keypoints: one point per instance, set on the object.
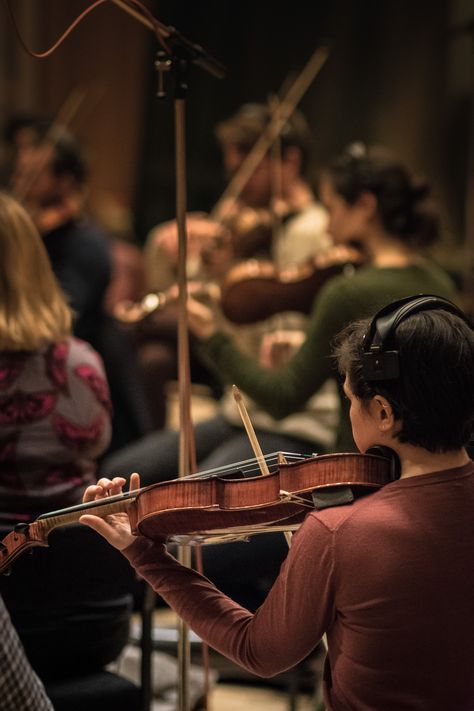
(248, 123)
(434, 395)
(403, 198)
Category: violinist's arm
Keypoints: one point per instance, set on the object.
(284, 630)
(283, 391)
(114, 528)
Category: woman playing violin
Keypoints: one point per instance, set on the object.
(388, 578)
(371, 198)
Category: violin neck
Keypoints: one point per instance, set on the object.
(102, 508)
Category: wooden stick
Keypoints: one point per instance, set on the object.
(254, 441)
(250, 431)
(273, 129)
(64, 117)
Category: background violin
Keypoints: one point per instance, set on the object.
(255, 290)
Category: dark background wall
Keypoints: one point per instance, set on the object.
(399, 73)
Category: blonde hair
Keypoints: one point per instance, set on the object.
(33, 309)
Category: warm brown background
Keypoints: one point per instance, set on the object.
(400, 73)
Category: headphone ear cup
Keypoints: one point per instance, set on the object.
(379, 365)
(388, 453)
(379, 360)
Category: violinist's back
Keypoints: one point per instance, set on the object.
(403, 624)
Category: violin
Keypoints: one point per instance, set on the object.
(255, 290)
(222, 504)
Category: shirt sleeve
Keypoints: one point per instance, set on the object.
(281, 392)
(20, 688)
(283, 631)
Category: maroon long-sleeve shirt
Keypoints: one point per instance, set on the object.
(389, 579)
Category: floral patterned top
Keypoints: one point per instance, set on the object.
(55, 420)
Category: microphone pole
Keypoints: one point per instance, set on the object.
(173, 61)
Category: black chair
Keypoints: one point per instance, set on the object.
(71, 605)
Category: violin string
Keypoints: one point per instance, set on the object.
(246, 467)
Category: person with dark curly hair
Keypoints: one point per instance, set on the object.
(387, 577)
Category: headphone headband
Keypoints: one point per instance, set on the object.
(380, 361)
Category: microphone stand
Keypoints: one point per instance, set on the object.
(174, 62)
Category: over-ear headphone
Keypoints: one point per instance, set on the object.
(380, 360)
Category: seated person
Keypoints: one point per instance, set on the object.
(388, 577)
(55, 420)
(373, 199)
(54, 397)
(49, 176)
(286, 226)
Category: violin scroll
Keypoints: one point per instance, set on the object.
(19, 541)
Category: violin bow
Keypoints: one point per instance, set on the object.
(280, 116)
(261, 461)
(64, 118)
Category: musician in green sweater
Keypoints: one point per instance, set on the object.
(372, 199)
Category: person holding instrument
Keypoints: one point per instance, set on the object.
(387, 577)
(276, 199)
(373, 199)
(237, 230)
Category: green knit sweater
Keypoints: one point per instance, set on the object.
(342, 300)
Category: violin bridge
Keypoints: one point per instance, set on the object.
(287, 496)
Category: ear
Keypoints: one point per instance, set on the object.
(382, 412)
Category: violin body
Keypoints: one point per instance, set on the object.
(216, 505)
(255, 290)
(203, 508)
